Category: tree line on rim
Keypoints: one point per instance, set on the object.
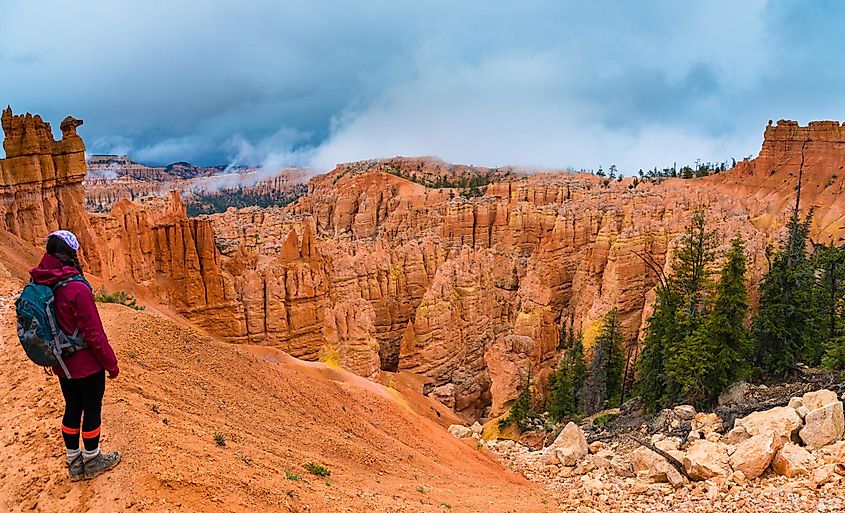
(698, 339)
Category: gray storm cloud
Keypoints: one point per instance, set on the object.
(546, 83)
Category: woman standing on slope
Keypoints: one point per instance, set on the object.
(83, 392)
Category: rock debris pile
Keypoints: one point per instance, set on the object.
(787, 458)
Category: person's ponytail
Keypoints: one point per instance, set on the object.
(75, 263)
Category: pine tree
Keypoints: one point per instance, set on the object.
(604, 382)
(561, 396)
(834, 354)
(578, 369)
(829, 262)
(675, 358)
(729, 340)
(787, 326)
(687, 356)
(566, 383)
(521, 410)
(561, 403)
(653, 384)
(615, 356)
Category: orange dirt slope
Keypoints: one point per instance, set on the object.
(178, 387)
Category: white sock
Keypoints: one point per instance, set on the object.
(90, 455)
(72, 454)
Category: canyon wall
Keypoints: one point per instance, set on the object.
(376, 269)
(40, 180)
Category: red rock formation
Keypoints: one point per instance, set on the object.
(133, 181)
(771, 176)
(371, 270)
(40, 180)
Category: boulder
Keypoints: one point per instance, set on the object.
(818, 399)
(736, 436)
(713, 437)
(824, 474)
(684, 411)
(706, 423)
(793, 460)
(704, 460)
(834, 453)
(797, 404)
(754, 455)
(599, 461)
(644, 459)
(477, 428)
(650, 465)
(673, 477)
(736, 394)
(459, 431)
(824, 422)
(596, 447)
(584, 466)
(782, 420)
(606, 454)
(622, 467)
(668, 444)
(570, 446)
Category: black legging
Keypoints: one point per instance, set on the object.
(83, 395)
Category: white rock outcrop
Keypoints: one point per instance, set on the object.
(824, 422)
(570, 446)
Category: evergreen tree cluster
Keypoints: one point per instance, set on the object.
(575, 389)
(474, 183)
(604, 381)
(201, 202)
(802, 302)
(566, 383)
(696, 341)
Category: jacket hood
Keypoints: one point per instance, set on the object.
(50, 270)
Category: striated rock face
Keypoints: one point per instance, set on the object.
(111, 178)
(375, 268)
(771, 176)
(472, 292)
(40, 180)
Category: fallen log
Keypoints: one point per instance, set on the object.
(668, 457)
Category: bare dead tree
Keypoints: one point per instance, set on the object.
(668, 457)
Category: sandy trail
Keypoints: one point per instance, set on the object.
(178, 387)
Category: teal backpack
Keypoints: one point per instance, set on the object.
(39, 333)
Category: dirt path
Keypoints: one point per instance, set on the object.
(178, 387)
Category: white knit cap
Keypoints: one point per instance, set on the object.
(68, 237)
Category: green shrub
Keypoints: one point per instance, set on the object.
(317, 469)
(604, 420)
(118, 297)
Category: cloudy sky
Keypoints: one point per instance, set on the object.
(546, 83)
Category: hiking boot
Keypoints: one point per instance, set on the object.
(101, 463)
(75, 469)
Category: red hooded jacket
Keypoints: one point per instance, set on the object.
(75, 308)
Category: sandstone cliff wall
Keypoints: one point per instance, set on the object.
(40, 180)
(374, 270)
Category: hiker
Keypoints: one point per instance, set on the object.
(83, 391)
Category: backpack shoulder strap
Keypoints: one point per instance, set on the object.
(77, 277)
